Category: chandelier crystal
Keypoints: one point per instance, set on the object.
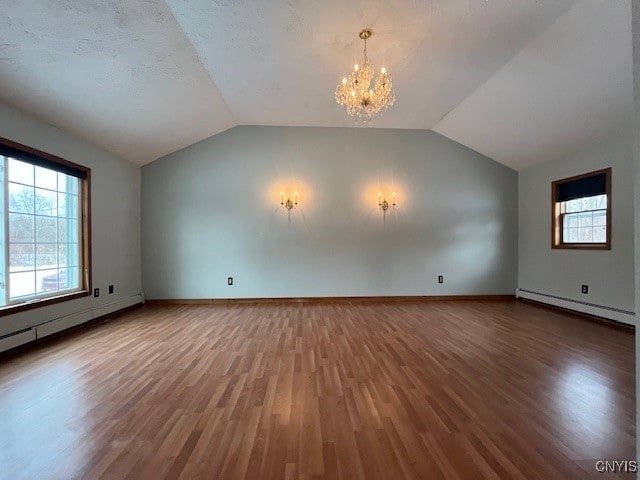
(361, 94)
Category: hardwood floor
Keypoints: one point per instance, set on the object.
(461, 390)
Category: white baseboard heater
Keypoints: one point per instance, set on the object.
(610, 313)
(56, 325)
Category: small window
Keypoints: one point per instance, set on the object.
(581, 209)
(45, 232)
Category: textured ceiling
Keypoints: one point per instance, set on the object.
(521, 81)
(566, 89)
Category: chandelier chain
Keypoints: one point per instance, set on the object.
(366, 59)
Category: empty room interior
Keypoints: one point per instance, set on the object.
(380, 239)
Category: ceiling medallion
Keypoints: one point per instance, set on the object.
(360, 94)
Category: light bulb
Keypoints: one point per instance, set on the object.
(353, 93)
(344, 81)
(356, 67)
(383, 70)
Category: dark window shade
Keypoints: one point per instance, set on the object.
(583, 187)
(38, 161)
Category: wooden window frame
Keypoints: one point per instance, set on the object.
(556, 216)
(85, 252)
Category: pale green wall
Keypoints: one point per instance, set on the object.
(609, 274)
(211, 211)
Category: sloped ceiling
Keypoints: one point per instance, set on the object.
(521, 81)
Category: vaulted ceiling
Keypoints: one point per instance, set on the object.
(521, 81)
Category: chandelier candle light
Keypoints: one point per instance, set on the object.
(360, 94)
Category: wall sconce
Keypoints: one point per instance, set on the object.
(384, 205)
(288, 204)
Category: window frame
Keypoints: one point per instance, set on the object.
(557, 217)
(33, 155)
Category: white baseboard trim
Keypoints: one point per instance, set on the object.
(610, 313)
(112, 307)
(62, 323)
(12, 341)
(68, 321)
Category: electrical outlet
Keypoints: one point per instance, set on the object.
(585, 288)
(229, 280)
(110, 289)
(96, 292)
(440, 279)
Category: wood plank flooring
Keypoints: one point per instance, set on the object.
(457, 390)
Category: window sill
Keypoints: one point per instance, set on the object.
(37, 303)
(581, 246)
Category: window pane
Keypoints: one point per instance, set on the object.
(46, 202)
(598, 202)
(73, 277)
(20, 172)
(72, 184)
(589, 203)
(62, 255)
(46, 178)
(600, 234)
(73, 254)
(63, 200)
(21, 228)
(22, 283)
(21, 257)
(600, 218)
(72, 231)
(46, 256)
(585, 235)
(601, 202)
(570, 235)
(585, 220)
(20, 198)
(571, 220)
(51, 280)
(46, 230)
(73, 206)
(62, 230)
(572, 206)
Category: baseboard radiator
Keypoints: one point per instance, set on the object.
(610, 313)
(56, 325)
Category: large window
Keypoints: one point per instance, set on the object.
(581, 211)
(45, 233)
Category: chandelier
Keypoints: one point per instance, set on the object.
(360, 94)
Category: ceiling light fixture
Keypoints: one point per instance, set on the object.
(360, 94)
